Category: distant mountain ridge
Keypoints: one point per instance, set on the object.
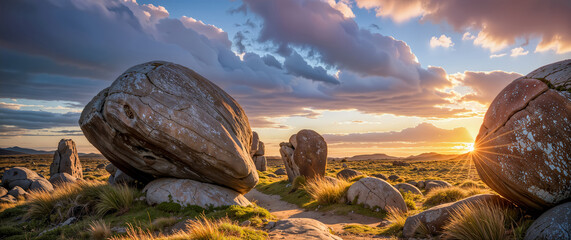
(24, 151)
(376, 156)
(422, 156)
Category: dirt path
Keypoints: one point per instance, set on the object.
(284, 210)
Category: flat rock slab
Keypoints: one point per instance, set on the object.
(301, 228)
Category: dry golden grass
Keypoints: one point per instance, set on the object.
(99, 230)
(478, 222)
(439, 196)
(325, 191)
(397, 218)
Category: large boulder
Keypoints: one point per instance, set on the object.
(261, 149)
(553, 224)
(436, 217)
(522, 149)
(255, 144)
(19, 176)
(348, 174)
(374, 192)
(301, 229)
(190, 192)
(59, 179)
(161, 119)
(66, 160)
(304, 155)
(261, 163)
(407, 187)
(42, 185)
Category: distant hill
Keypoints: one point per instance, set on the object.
(25, 151)
(96, 155)
(376, 156)
(431, 156)
(8, 152)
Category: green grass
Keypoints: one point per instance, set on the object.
(439, 196)
(115, 199)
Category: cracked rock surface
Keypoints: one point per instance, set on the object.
(160, 119)
(553, 224)
(523, 147)
(374, 192)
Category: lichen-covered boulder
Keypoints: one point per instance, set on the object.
(406, 187)
(304, 155)
(348, 174)
(189, 192)
(19, 176)
(522, 149)
(374, 192)
(160, 119)
(436, 217)
(553, 224)
(66, 160)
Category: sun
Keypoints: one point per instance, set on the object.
(466, 147)
(470, 147)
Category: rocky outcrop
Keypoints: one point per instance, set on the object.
(432, 184)
(62, 178)
(190, 192)
(66, 160)
(374, 192)
(257, 151)
(300, 229)
(553, 224)
(436, 217)
(304, 155)
(24, 178)
(348, 174)
(160, 119)
(261, 163)
(280, 171)
(406, 187)
(522, 149)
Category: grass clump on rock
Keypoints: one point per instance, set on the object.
(478, 222)
(439, 196)
(326, 191)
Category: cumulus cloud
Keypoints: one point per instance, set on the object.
(485, 85)
(424, 132)
(297, 66)
(210, 31)
(442, 41)
(518, 51)
(497, 55)
(499, 23)
(468, 36)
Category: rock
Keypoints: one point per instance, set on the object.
(190, 192)
(348, 174)
(261, 163)
(270, 225)
(3, 191)
(400, 163)
(293, 141)
(413, 183)
(555, 223)
(17, 191)
(420, 184)
(272, 175)
(261, 149)
(121, 178)
(374, 192)
(41, 184)
(100, 166)
(8, 199)
(331, 179)
(19, 176)
(280, 171)
(309, 159)
(111, 179)
(393, 177)
(301, 228)
(381, 176)
(66, 160)
(405, 187)
(522, 149)
(344, 165)
(255, 144)
(160, 119)
(436, 217)
(111, 169)
(62, 178)
(429, 185)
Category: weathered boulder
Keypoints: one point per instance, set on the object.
(348, 173)
(555, 223)
(308, 159)
(121, 178)
(8, 199)
(255, 144)
(111, 169)
(18, 192)
(190, 192)
(301, 229)
(41, 184)
(380, 175)
(393, 177)
(59, 179)
(522, 149)
(406, 187)
(436, 217)
(66, 160)
(261, 149)
(19, 176)
(280, 171)
(432, 184)
(374, 192)
(261, 163)
(161, 119)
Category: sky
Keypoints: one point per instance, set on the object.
(371, 76)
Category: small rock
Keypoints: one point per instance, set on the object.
(405, 187)
(380, 175)
(246, 223)
(270, 225)
(429, 185)
(280, 171)
(111, 169)
(19, 176)
(41, 185)
(300, 228)
(345, 165)
(393, 177)
(348, 174)
(119, 229)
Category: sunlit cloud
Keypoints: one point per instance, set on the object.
(519, 51)
(468, 36)
(442, 41)
(497, 55)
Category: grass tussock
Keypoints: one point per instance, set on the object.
(99, 230)
(115, 199)
(481, 221)
(397, 219)
(325, 191)
(439, 196)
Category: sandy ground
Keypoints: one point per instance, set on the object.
(284, 210)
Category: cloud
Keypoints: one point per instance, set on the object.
(36, 119)
(485, 85)
(442, 41)
(239, 39)
(499, 23)
(424, 132)
(297, 66)
(210, 31)
(519, 51)
(497, 55)
(343, 6)
(468, 36)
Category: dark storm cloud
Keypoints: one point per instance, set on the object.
(36, 119)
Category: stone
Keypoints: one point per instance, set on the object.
(420, 184)
(432, 184)
(332, 180)
(272, 175)
(160, 119)
(62, 178)
(301, 228)
(436, 217)
(293, 140)
(280, 171)
(121, 178)
(66, 160)
(41, 184)
(261, 149)
(393, 177)
(555, 223)
(308, 159)
(8, 199)
(413, 183)
(380, 175)
(374, 192)
(261, 163)
(190, 192)
(348, 174)
(406, 187)
(522, 149)
(246, 223)
(255, 143)
(344, 165)
(100, 166)
(17, 192)
(3, 191)
(19, 176)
